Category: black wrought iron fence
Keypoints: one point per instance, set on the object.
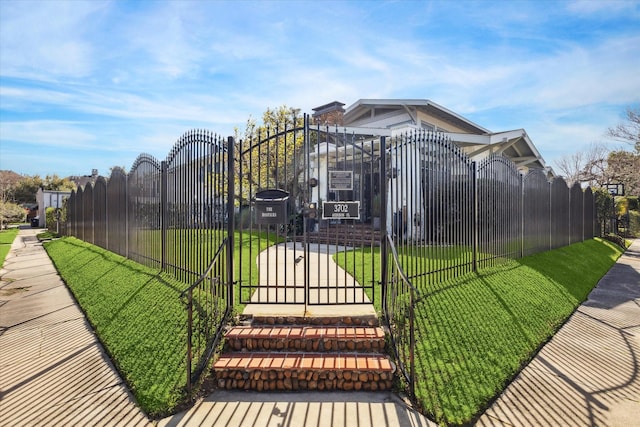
(449, 216)
(442, 215)
(173, 216)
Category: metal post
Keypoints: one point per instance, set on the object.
(163, 214)
(384, 250)
(474, 219)
(412, 345)
(521, 215)
(189, 338)
(230, 217)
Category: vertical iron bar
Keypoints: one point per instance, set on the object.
(474, 218)
(384, 249)
(165, 213)
(230, 218)
(189, 338)
(521, 193)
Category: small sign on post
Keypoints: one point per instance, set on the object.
(340, 180)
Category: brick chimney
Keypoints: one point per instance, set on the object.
(329, 114)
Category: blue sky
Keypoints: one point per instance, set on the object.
(91, 84)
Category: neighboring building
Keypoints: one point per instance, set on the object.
(83, 180)
(47, 199)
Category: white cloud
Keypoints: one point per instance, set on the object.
(133, 76)
(590, 7)
(47, 38)
(52, 133)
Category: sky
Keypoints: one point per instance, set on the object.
(92, 84)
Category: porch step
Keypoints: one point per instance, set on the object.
(304, 371)
(307, 357)
(355, 235)
(309, 338)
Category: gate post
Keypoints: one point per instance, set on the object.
(521, 215)
(164, 209)
(230, 218)
(474, 223)
(384, 250)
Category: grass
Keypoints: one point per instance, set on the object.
(136, 313)
(198, 246)
(6, 239)
(47, 235)
(441, 262)
(474, 333)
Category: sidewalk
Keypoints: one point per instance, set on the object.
(54, 372)
(588, 374)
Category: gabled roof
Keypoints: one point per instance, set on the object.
(374, 112)
(476, 141)
(514, 144)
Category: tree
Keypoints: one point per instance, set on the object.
(8, 180)
(624, 167)
(605, 210)
(628, 131)
(586, 167)
(270, 155)
(24, 190)
(10, 212)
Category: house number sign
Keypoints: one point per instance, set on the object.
(341, 210)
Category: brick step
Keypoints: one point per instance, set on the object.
(305, 338)
(304, 371)
(341, 320)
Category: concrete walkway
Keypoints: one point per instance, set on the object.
(328, 284)
(588, 374)
(54, 372)
(282, 267)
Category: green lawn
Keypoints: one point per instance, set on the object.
(138, 314)
(474, 334)
(6, 239)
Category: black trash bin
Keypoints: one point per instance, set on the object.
(35, 221)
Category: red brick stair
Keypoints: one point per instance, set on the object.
(289, 358)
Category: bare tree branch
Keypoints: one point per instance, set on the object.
(628, 131)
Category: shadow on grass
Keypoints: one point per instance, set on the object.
(475, 333)
(137, 315)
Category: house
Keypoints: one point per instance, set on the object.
(49, 199)
(402, 115)
(83, 180)
(370, 119)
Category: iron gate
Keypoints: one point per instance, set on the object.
(308, 195)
